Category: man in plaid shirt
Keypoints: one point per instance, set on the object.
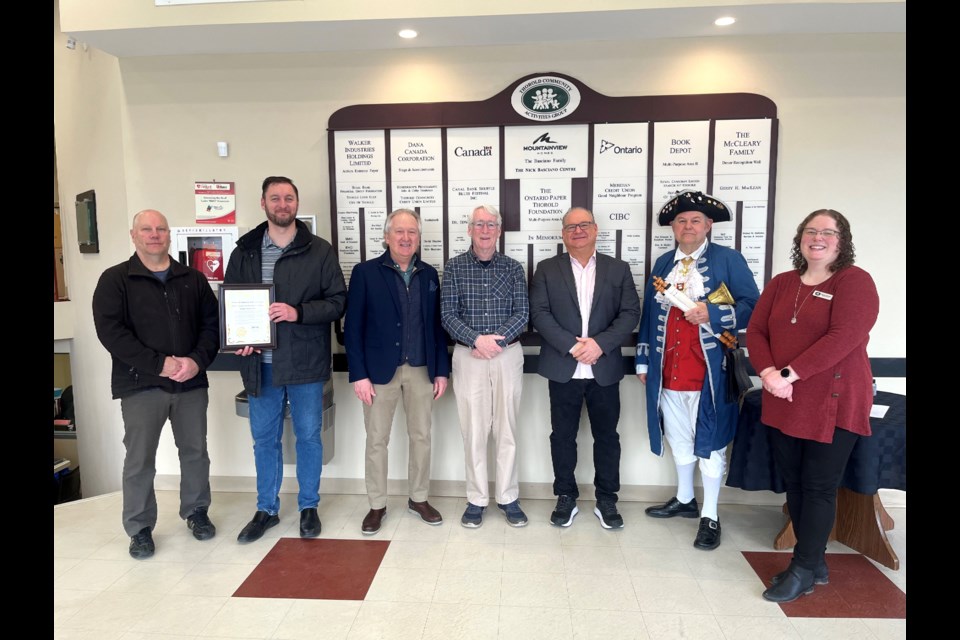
(484, 307)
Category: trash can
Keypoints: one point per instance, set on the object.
(66, 481)
(242, 404)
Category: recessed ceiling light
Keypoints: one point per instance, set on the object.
(724, 22)
(407, 33)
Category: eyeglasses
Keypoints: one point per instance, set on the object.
(485, 225)
(583, 226)
(826, 233)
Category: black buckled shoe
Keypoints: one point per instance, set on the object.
(309, 523)
(708, 535)
(674, 507)
(796, 582)
(256, 527)
(141, 544)
(199, 523)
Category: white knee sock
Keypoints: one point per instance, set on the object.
(685, 482)
(711, 496)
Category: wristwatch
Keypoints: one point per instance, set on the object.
(785, 372)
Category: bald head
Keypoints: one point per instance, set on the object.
(151, 237)
(140, 214)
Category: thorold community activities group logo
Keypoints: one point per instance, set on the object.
(545, 98)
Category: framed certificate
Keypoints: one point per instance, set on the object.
(245, 317)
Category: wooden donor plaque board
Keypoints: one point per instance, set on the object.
(542, 145)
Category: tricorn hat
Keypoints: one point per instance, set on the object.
(694, 201)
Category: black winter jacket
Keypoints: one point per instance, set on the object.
(307, 276)
(141, 321)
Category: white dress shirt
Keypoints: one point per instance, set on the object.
(585, 278)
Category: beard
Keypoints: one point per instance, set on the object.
(281, 219)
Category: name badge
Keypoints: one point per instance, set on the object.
(821, 294)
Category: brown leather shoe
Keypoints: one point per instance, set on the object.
(423, 509)
(371, 523)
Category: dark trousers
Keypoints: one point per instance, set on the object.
(603, 408)
(812, 472)
(144, 414)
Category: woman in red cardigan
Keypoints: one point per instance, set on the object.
(808, 338)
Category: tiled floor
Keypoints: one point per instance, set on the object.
(446, 582)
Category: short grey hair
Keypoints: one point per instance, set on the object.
(563, 220)
(389, 222)
(488, 209)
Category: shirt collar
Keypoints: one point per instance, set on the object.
(680, 255)
(576, 263)
(268, 242)
(410, 267)
(476, 259)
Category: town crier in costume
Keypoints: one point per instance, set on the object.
(681, 360)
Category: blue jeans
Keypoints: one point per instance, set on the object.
(266, 425)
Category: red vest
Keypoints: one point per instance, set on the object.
(684, 367)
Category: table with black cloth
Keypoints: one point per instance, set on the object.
(878, 461)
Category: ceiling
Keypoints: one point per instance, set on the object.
(352, 35)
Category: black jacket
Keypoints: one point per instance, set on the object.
(307, 276)
(141, 321)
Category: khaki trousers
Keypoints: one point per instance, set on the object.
(412, 385)
(488, 400)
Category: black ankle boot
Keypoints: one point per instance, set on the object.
(821, 575)
(797, 581)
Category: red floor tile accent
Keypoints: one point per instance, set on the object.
(857, 588)
(315, 569)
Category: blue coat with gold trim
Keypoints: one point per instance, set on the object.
(717, 418)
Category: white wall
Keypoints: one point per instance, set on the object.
(841, 102)
(88, 110)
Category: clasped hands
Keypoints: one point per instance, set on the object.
(179, 368)
(485, 347)
(586, 351)
(776, 385)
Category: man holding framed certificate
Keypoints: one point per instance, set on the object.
(309, 293)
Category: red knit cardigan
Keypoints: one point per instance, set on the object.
(826, 347)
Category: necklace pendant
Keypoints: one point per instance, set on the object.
(793, 320)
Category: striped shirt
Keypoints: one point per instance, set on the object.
(269, 254)
(478, 299)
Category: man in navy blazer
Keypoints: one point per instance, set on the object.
(584, 304)
(396, 349)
